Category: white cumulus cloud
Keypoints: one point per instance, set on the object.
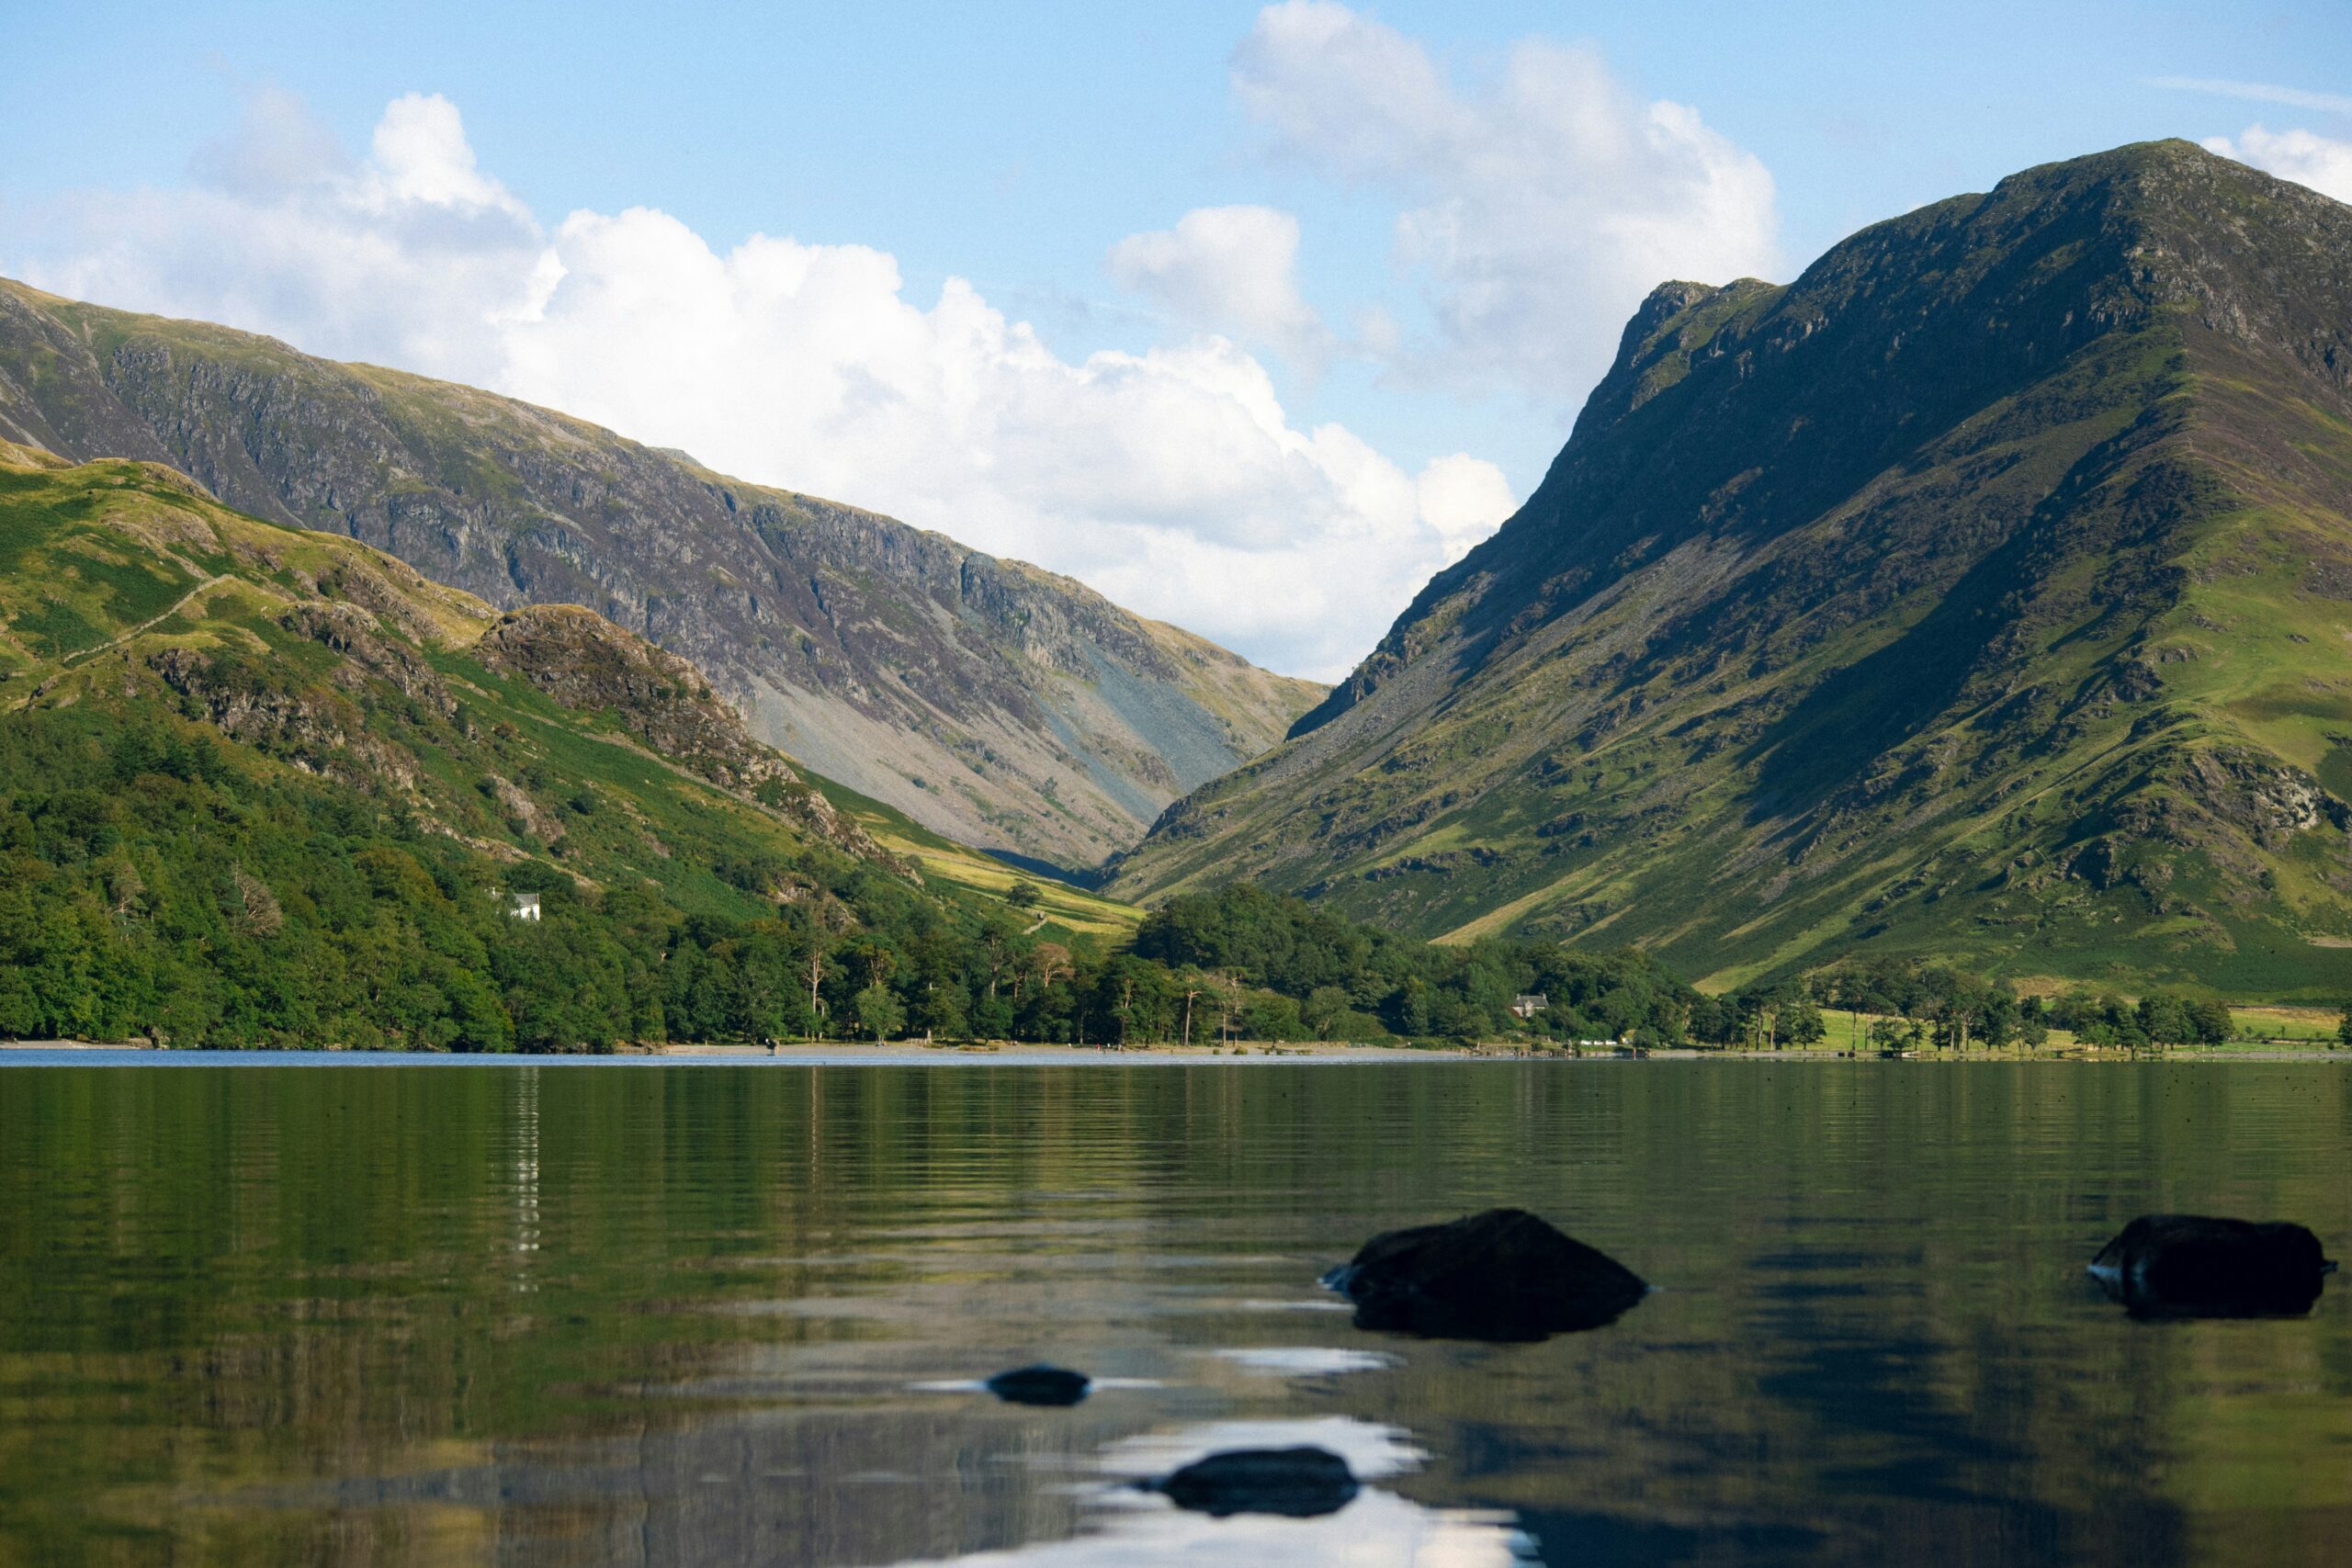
(2319, 162)
(408, 258)
(1539, 208)
(1228, 269)
(1173, 480)
(1465, 498)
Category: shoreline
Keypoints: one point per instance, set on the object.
(21, 1053)
(910, 1053)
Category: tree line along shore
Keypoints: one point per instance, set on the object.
(153, 889)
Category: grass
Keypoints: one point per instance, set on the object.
(1066, 910)
(2286, 1025)
(2253, 1027)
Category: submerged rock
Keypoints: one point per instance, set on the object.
(1503, 1275)
(2193, 1265)
(1299, 1483)
(1040, 1384)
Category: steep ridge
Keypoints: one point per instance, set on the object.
(995, 703)
(1986, 592)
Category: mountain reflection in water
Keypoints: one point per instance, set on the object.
(703, 1315)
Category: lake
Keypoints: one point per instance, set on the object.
(584, 1313)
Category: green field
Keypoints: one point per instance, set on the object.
(1064, 912)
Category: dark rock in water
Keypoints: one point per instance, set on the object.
(1040, 1385)
(1300, 1483)
(1504, 1275)
(2192, 1265)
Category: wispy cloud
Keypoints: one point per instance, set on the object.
(2261, 92)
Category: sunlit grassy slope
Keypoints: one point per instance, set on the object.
(1065, 910)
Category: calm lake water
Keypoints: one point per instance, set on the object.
(704, 1315)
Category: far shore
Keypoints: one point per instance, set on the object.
(914, 1053)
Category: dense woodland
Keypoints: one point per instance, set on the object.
(150, 887)
(153, 884)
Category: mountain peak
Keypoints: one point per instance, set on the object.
(1980, 591)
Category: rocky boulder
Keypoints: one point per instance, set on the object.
(1040, 1384)
(1504, 1275)
(1299, 1483)
(2194, 1266)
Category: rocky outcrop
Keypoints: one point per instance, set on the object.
(590, 665)
(583, 662)
(1302, 1483)
(315, 730)
(1041, 1385)
(2192, 1265)
(1504, 1275)
(353, 632)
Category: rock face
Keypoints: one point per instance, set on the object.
(1041, 1384)
(993, 702)
(1299, 1483)
(1981, 593)
(586, 662)
(2192, 1265)
(1504, 1275)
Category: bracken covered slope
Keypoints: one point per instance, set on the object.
(1986, 592)
(993, 702)
(545, 734)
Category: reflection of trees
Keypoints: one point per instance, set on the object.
(1874, 1341)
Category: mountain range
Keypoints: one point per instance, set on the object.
(1985, 594)
(991, 700)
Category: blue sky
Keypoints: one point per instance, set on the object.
(1443, 306)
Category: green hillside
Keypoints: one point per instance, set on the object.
(1986, 594)
(266, 787)
(259, 784)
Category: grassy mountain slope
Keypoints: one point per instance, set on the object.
(995, 703)
(1985, 594)
(260, 785)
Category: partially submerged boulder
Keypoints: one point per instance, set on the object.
(1503, 1275)
(2195, 1266)
(1040, 1384)
(1299, 1483)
